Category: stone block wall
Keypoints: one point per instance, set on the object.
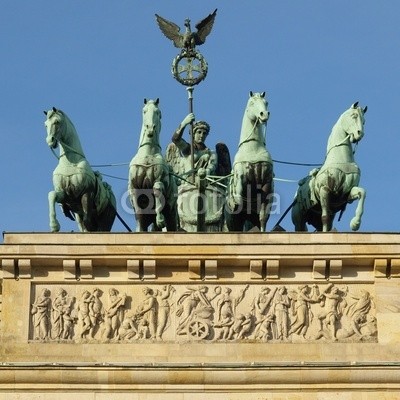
(259, 314)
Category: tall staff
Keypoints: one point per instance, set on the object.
(190, 68)
(190, 90)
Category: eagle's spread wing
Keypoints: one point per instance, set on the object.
(204, 28)
(170, 30)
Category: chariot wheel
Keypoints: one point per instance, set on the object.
(198, 330)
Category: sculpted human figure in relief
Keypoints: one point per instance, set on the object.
(262, 313)
(163, 309)
(41, 315)
(146, 312)
(303, 300)
(274, 313)
(281, 304)
(330, 315)
(114, 315)
(62, 321)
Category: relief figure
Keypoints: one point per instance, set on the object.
(146, 313)
(114, 315)
(41, 316)
(164, 309)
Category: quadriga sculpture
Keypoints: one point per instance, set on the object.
(250, 191)
(327, 190)
(152, 188)
(81, 191)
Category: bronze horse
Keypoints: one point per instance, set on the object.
(250, 190)
(152, 188)
(328, 189)
(81, 191)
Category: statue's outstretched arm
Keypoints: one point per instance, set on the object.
(177, 136)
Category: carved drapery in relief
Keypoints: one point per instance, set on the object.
(210, 313)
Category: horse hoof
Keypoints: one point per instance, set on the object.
(160, 223)
(355, 224)
(55, 226)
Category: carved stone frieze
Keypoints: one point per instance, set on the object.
(212, 313)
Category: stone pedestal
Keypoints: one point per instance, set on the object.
(189, 315)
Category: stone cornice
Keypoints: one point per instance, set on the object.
(202, 254)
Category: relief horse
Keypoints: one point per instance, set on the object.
(83, 195)
(250, 190)
(330, 188)
(152, 187)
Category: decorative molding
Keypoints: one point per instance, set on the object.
(272, 269)
(194, 267)
(380, 268)
(133, 269)
(319, 269)
(149, 269)
(395, 267)
(69, 267)
(8, 267)
(210, 269)
(256, 269)
(86, 269)
(335, 269)
(24, 268)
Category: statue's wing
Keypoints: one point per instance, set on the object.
(170, 30)
(204, 28)
(173, 157)
(224, 166)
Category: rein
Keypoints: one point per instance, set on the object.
(344, 140)
(338, 144)
(248, 138)
(67, 147)
(149, 144)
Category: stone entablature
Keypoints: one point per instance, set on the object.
(276, 309)
(263, 256)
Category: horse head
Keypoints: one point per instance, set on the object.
(54, 126)
(257, 108)
(352, 122)
(151, 126)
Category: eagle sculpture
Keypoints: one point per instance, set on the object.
(189, 39)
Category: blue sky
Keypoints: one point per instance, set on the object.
(97, 60)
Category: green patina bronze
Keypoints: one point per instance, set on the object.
(327, 190)
(201, 195)
(250, 190)
(151, 186)
(80, 190)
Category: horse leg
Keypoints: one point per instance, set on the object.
(139, 215)
(298, 218)
(360, 194)
(266, 196)
(324, 200)
(88, 223)
(79, 221)
(237, 187)
(54, 197)
(159, 190)
(263, 216)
